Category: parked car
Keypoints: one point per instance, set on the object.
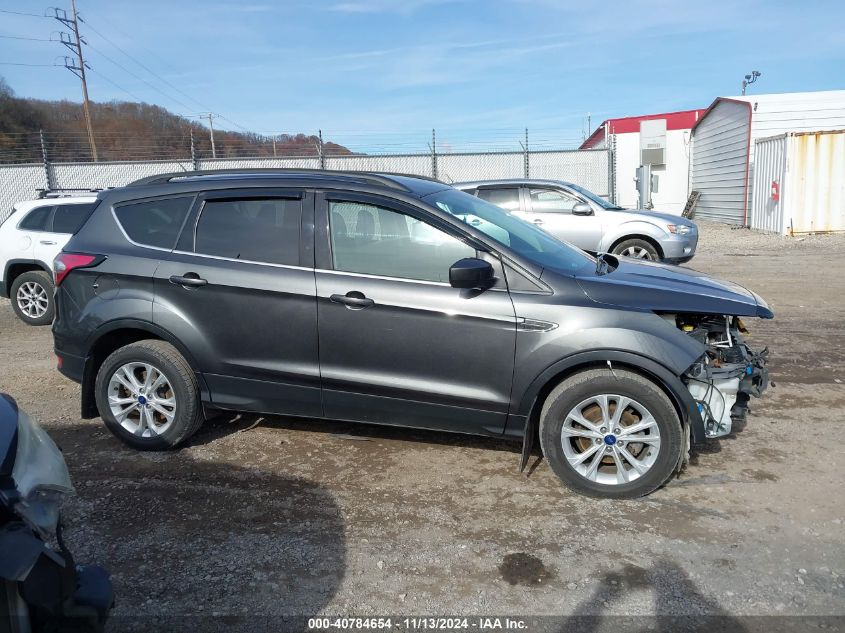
(588, 221)
(394, 300)
(30, 238)
(43, 588)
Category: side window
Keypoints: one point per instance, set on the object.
(507, 198)
(154, 222)
(551, 201)
(69, 217)
(377, 241)
(37, 219)
(257, 230)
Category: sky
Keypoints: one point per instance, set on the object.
(382, 73)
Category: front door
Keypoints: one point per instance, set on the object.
(240, 293)
(398, 344)
(551, 210)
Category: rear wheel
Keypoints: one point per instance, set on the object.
(32, 297)
(637, 249)
(611, 434)
(148, 395)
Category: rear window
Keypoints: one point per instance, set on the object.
(154, 222)
(69, 217)
(507, 198)
(256, 230)
(37, 219)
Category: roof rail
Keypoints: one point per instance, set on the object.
(365, 176)
(45, 193)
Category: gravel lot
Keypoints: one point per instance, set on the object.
(282, 516)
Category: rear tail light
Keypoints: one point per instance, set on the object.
(66, 262)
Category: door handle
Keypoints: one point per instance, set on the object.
(48, 243)
(353, 300)
(188, 280)
(538, 221)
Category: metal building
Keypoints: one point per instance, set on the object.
(723, 142)
(661, 140)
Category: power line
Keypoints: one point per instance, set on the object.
(23, 64)
(116, 85)
(31, 39)
(126, 70)
(160, 78)
(33, 15)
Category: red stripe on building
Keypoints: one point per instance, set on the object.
(683, 120)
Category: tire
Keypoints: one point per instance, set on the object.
(637, 249)
(32, 298)
(573, 449)
(138, 408)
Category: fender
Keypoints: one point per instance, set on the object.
(6, 286)
(629, 229)
(89, 374)
(677, 390)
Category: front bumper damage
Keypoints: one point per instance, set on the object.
(729, 373)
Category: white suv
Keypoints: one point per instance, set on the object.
(30, 238)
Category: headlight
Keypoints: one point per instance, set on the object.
(40, 475)
(679, 229)
(41, 510)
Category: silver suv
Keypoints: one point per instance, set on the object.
(590, 222)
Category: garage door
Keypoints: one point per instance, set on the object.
(720, 162)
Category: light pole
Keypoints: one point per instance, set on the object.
(750, 79)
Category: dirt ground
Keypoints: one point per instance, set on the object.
(282, 517)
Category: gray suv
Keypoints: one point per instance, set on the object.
(394, 300)
(588, 221)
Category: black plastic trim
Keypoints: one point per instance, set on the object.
(683, 400)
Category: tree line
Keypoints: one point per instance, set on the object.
(129, 131)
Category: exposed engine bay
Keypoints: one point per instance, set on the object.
(727, 375)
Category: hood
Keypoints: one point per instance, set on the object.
(654, 216)
(667, 288)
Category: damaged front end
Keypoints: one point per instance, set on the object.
(723, 380)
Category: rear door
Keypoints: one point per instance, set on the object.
(32, 228)
(508, 197)
(398, 344)
(65, 221)
(239, 292)
(551, 210)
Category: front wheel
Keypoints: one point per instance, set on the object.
(148, 395)
(637, 249)
(610, 433)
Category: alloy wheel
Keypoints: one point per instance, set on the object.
(637, 252)
(610, 439)
(142, 399)
(33, 299)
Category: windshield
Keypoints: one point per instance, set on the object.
(521, 237)
(604, 204)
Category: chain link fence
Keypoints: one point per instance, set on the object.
(589, 168)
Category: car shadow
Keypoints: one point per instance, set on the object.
(198, 545)
(678, 604)
(229, 423)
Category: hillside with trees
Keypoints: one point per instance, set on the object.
(129, 131)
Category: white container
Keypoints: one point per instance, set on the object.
(799, 183)
(720, 399)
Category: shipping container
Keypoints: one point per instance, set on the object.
(799, 183)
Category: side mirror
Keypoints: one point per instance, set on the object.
(582, 208)
(471, 272)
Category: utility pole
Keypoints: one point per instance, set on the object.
(77, 68)
(211, 128)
